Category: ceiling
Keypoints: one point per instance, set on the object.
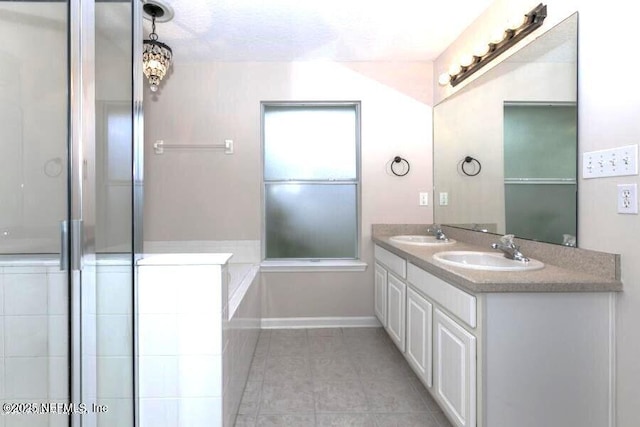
(337, 30)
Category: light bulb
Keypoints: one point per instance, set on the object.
(516, 22)
(497, 37)
(444, 79)
(466, 60)
(454, 69)
(481, 50)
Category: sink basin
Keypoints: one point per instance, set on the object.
(491, 261)
(420, 240)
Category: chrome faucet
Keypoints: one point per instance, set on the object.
(569, 240)
(509, 248)
(436, 230)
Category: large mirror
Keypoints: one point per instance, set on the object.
(505, 146)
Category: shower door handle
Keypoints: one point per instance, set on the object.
(71, 245)
(64, 245)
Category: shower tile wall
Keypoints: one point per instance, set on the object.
(33, 340)
(114, 324)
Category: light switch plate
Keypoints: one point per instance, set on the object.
(424, 199)
(628, 198)
(444, 199)
(619, 161)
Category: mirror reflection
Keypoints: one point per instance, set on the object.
(505, 146)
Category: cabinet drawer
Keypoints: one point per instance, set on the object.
(458, 302)
(391, 261)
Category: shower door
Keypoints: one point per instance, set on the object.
(66, 281)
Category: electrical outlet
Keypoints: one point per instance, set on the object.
(444, 199)
(628, 198)
(424, 199)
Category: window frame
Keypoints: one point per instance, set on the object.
(312, 264)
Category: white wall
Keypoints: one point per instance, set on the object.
(212, 196)
(608, 114)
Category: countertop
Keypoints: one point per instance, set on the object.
(552, 278)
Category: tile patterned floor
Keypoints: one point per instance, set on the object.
(352, 377)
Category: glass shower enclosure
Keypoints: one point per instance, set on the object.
(67, 131)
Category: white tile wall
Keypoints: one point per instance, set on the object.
(179, 342)
(199, 412)
(115, 334)
(33, 345)
(57, 293)
(157, 334)
(25, 293)
(114, 375)
(114, 291)
(2, 292)
(34, 339)
(26, 377)
(159, 376)
(190, 333)
(182, 341)
(114, 342)
(58, 335)
(200, 376)
(58, 378)
(119, 413)
(159, 412)
(26, 336)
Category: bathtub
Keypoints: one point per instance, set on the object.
(240, 334)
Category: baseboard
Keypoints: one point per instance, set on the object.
(318, 322)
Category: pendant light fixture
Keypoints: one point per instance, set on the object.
(156, 56)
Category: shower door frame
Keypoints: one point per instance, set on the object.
(81, 135)
(82, 202)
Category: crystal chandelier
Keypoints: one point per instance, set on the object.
(156, 56)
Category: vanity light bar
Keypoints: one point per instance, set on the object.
(499, 43)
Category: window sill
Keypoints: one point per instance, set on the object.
(292, 266)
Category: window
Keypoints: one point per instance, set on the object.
(311, 180)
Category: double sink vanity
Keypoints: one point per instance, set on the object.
(501, 342)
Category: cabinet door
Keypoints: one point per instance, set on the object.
(455, 370)
(419, 334)
(396, 294)
(380, 294)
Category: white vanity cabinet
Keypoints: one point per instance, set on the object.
(530, 358)
(442, 353)
(419, 336)
(396, 300)
(454, 364)
(380, 294)
(391, 293)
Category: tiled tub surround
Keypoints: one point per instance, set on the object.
(527, 340)
(195, 344)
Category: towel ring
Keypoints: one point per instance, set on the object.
(470, 160)
(399, 160)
